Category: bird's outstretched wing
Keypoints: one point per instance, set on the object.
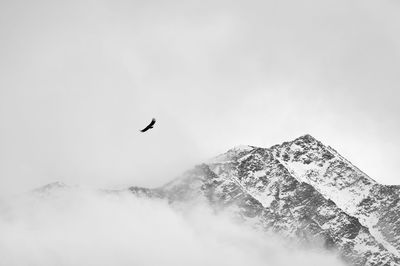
(153, 121)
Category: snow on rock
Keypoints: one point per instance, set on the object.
(303, 190)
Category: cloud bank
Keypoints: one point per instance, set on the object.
(80, 227)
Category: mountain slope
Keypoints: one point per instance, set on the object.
(302, 190)
(375, 205)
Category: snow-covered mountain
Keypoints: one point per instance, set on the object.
(302, 190)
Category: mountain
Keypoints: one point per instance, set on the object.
(303, 190)
(50, 188)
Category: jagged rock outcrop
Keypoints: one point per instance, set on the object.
(303, 190)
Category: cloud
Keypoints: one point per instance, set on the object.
(80, 78)
(80, 227)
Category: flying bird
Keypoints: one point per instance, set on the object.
(153, 121)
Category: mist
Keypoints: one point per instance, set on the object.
(73, 227)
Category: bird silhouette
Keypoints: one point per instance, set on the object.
(153, 121)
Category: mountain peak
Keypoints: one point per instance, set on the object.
(242, 148)
(46, 189)
(299, 187)
(306, 137)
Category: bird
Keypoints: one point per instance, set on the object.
(153, 121)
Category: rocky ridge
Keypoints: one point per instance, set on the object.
(302, 190)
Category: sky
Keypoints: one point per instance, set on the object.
(79, 79)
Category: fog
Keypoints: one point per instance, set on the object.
(73, 227)
(80, 78)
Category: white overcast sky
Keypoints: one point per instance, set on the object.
(78, 79)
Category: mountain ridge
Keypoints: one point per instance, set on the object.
(301, 189)
(302, 174)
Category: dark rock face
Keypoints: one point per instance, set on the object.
(303, 190)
